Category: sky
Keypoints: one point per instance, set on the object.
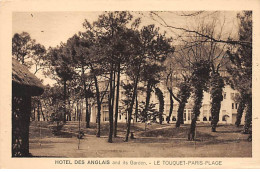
(52, 28)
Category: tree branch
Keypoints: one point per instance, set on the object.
(171, 94)
(243, 43)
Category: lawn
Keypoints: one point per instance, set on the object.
(157, 141)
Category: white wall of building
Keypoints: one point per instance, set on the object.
(228, 107)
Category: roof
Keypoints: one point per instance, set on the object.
(25, 83)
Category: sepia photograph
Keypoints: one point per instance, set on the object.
(123, 84)
(132, 84)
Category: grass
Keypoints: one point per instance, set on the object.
(157, 141)
(73, 127)
(173, 133)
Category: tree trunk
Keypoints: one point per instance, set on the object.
(217, 85)
(70, 111)
(180, 114)
(81, 109)
(184, 95)
(110, 101)
(248, 117)
(136, 107)
(215, 109)
(181, 107)
(64, 99)
(34, 113)
(130, 110)
(87, 114)
(77, 112)
(86, 101)
(196, 112)
(160, 97)
(240, 110)
(38, 111)
(86, 98)
(98, 106)
(170, 111)
(147, 101)
(117, 99)
(43, 116)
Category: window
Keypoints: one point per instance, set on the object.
(236, 105)
(167, 109)
(167, 106)
(106, 116)
(189, 114)
(173, 118)
(233, 105)
(96, 109)
(225, 95)
(224, 115)
(232, 96)
(205, 107)
(105, 113)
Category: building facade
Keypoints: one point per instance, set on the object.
(228, 111)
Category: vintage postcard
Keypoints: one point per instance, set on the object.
(129, 84)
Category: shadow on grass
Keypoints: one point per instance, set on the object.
(174, 133)
(54, 140)
(217, 141)
(47, 156)
(42, 146)
(64, 134)
(238, 131)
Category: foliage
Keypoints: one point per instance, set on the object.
(128, 92)
(248, 117)
(56, 119)
(152, 48)
(160, 96)
(217, 84)
(52, 99)
(183, 96)
(241, 66)
(178, 78)
(200, 75)
(199, 79)
(241, 57)
(28, 52)
(61, 63)
(240, 109)
(151, 113)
